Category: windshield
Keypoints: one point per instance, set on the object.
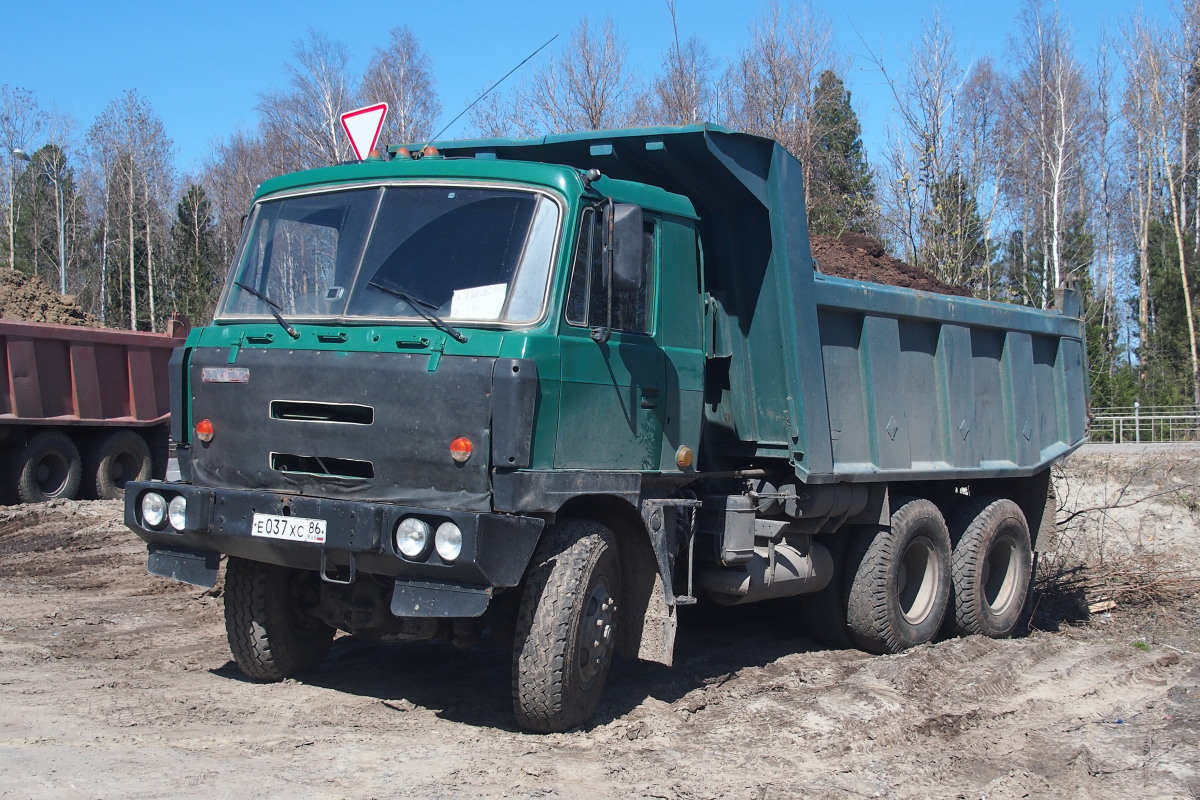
(465, 253)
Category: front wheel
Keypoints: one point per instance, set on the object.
(271, 632)
(566, 627)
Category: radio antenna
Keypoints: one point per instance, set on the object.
(489, 90)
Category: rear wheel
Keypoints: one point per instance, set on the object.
(991, 567)
(48, 468)
(120, 457)
(271, 632)
(566, 627)
(901, 580)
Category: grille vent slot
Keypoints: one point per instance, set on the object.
(308, 411)
(323, 466)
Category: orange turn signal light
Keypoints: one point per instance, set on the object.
(461, 449)
(684, 456)
(204, 430)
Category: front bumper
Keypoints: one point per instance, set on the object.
(495, 550)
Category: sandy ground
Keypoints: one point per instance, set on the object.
(114, 683)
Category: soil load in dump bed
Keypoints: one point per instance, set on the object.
(25, 298)
(862, 258)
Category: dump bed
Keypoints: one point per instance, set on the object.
(846, 380)
(68, 375)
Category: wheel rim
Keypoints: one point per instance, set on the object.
(51, 474)
(595, 636)
(1000, 570)
(920, 573)
(124, 468)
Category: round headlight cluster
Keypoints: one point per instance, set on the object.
(157, 510)
(412, 537)
(154, 509)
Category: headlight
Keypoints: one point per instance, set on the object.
(448, 541)
(177, 512)
(412, 537)
(154, 508)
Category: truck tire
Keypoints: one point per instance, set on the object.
(991, 567)
(120, 457)
(271, 633)
(565, 630)
(48, 468)
(900, 585)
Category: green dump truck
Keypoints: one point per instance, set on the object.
(561, 388)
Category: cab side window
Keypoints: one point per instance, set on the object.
(586, 297)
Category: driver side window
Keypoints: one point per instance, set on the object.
(586, 298)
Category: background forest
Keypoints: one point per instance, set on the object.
(1007, 177)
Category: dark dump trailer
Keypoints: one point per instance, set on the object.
(560, 388)
(82, 410)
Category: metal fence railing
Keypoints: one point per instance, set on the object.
(1143, 424)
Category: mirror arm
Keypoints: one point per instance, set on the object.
(601, 333)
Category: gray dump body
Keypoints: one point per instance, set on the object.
(847, 380)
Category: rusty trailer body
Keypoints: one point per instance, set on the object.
(82, 410)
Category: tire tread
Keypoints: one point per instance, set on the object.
(561, 569)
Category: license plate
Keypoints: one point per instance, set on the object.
(295, 529)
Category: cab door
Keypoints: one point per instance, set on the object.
(612, 399)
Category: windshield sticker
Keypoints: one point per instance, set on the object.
(478, 302)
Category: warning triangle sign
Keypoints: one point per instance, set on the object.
(363, 125)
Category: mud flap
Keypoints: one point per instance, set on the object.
(429, 599)
(652, 621)
(187, 566)
(659, 625)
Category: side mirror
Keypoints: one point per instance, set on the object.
(623, 244)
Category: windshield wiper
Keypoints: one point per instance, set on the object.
(420, 307)
(274, 307)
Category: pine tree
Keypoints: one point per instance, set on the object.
(955, 246)
(1164, 353)
(195, 256)
(841, 194)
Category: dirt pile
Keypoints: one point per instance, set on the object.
(26, 298)
(862, 258)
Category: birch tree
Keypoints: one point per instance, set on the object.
(305, 121)
(130, 143)
(922, 158)
(400, 75)
(1161, 106)
(1049, 115)
(588, 87)
(20, 127)
(683, 90)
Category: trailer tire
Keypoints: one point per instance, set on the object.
(48, 468)
(565, 633)
(271, 634)
(991, 568)
(120, 457)
(900, 586)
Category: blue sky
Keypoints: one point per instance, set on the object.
(202, 65)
